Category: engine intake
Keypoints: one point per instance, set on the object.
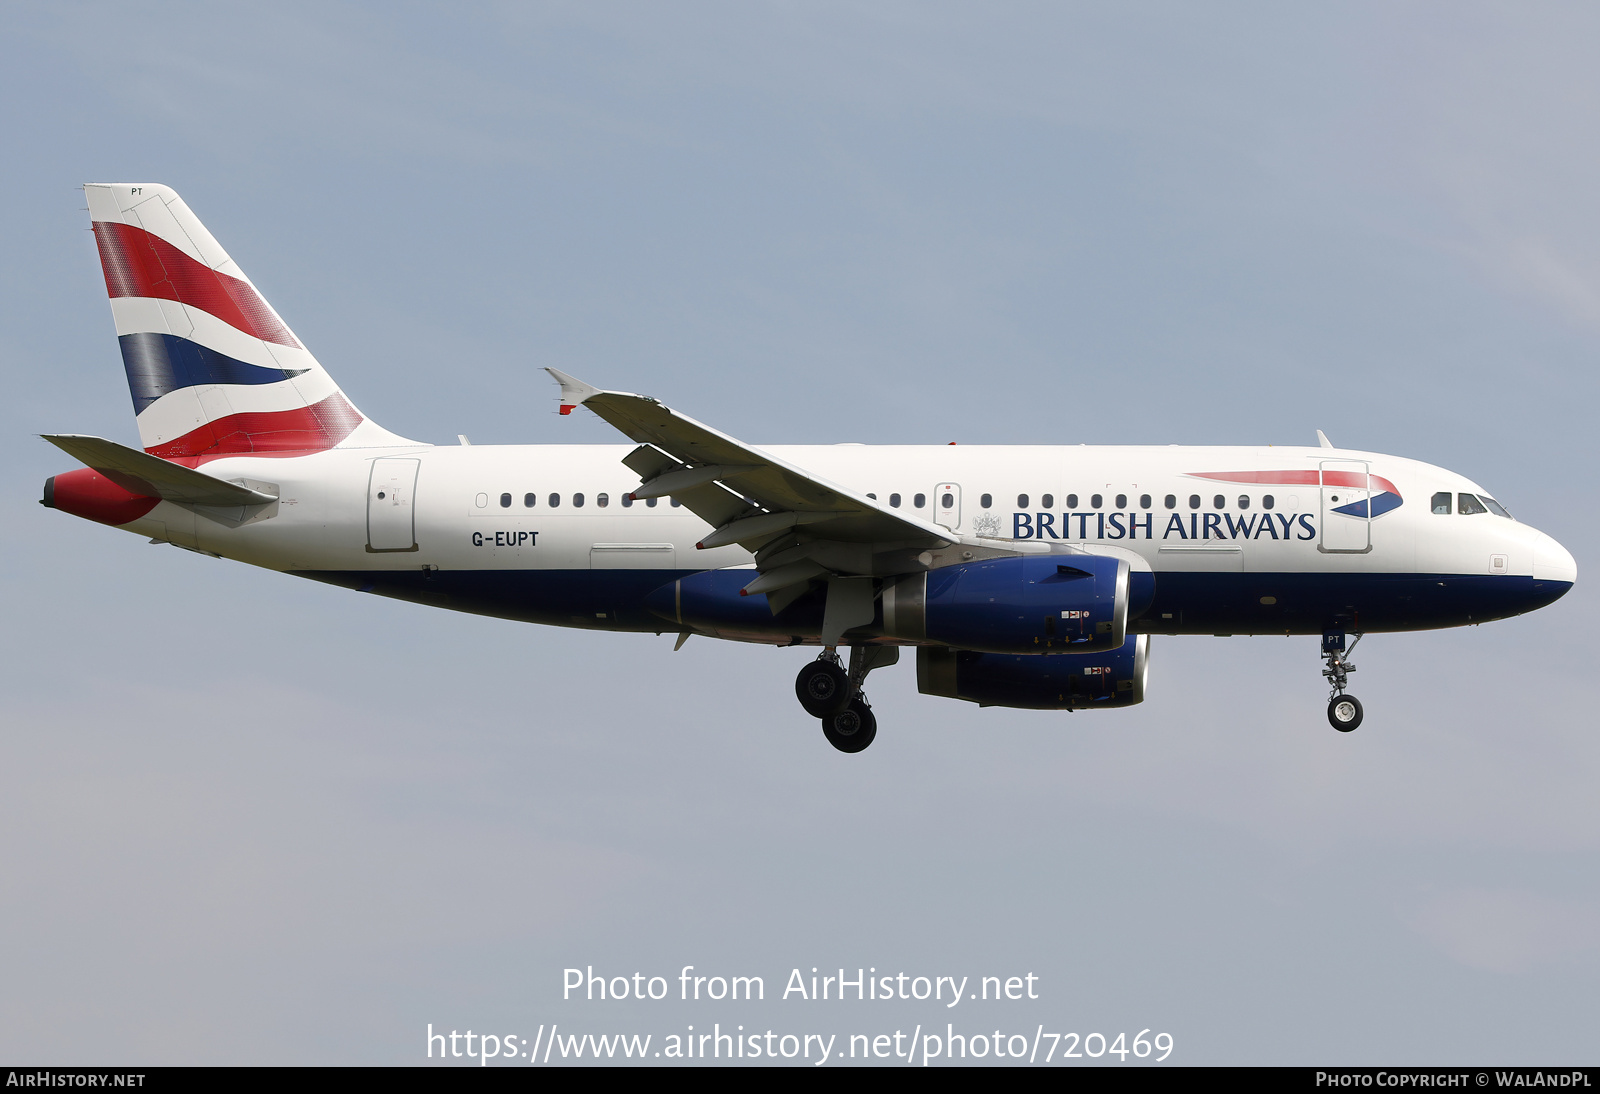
(1033, 604)
(1061, 681)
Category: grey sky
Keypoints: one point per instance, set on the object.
(245, 818)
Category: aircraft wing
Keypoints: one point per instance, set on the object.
(799, 525)
(153, 477)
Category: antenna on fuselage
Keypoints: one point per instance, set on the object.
(1322, 439)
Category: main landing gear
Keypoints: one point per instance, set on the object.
(1344, 711)
(833, 694)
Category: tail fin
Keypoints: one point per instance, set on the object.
(212, 368)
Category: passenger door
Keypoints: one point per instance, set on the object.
(1346, 508)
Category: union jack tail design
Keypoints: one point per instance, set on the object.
(213, 370)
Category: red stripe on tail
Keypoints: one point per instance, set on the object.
(137, 263)
(273, 433)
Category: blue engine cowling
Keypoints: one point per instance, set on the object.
(1034, 604)
(1062, 681)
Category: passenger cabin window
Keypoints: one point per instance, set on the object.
(1244, 501)
(505, 501)
(1094, 502)
(676, 504)
(1072, 501)
(1441, 503)
(1495, 507)
(986, 502)
(528, 500)
(1122, 501)
(602, 500)
(1470, 506)
(874, 497)
(1047, 501)
(1267, 502)
(947, 501)
(1170, 501)
(577, 501)
(650, 503)
(894, 501)
(1194, 501)
(919, 501)
(1144, 501)
(1022, 501)
(555, 501)
(1219, 502)
(627, 501)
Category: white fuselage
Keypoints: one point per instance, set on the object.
(562, 508)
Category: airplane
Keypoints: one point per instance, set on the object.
(1027, 576)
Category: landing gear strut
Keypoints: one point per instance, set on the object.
(829, 692)
(1344, 711)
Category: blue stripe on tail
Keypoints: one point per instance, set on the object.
(159, 363)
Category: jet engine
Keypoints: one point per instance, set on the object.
(1034, 604)
(1059, 681)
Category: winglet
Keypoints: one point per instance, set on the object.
(573, 390)
(1322, 438)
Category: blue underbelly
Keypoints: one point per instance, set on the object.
(1183, 603)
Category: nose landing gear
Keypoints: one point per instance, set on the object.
(1344, 711)
(828, 692)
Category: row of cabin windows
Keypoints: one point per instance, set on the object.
(1468, 505)
(1096, 501)
(529, 501)
(1465, 504)
(917, 500)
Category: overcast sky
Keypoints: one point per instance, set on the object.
(245, 818)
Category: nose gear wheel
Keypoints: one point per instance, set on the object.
(1344, 712)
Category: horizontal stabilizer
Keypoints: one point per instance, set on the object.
(151, 476)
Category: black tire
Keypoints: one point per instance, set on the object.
(851, 729)
(1344, 712)
(822, 688)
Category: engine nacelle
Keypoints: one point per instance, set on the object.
(1033, 604)
(1061, 681)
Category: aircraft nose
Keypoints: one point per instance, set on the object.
(1553, 562)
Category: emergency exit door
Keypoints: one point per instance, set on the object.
(947, 505)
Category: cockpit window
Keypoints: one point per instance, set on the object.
(1495, 507)
(1441, 503)
(1470, 506)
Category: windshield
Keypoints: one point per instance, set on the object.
(1495, 507)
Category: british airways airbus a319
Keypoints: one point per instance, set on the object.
(1022, 576)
